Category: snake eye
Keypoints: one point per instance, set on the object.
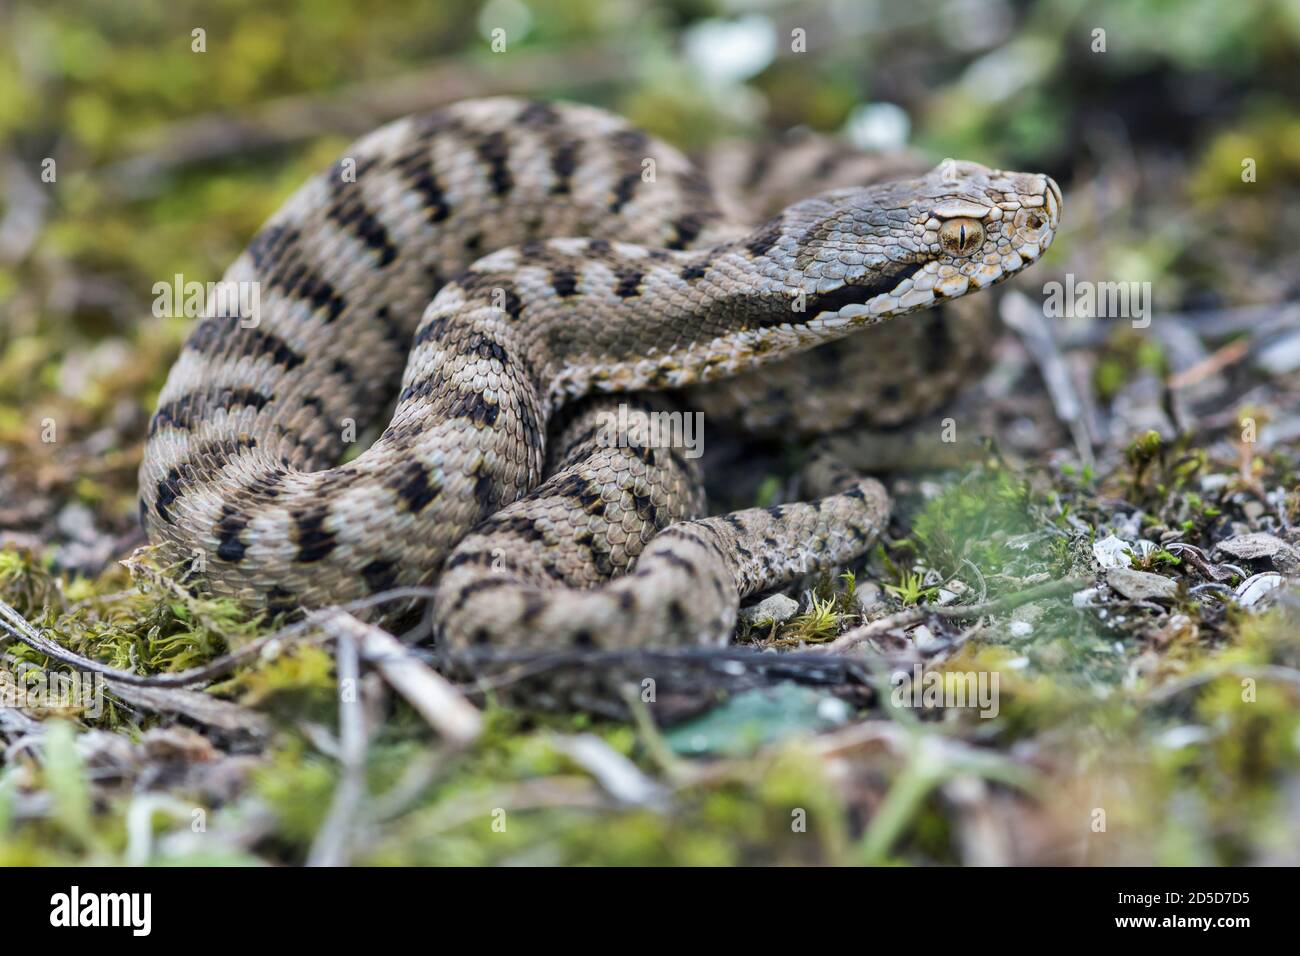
(961, 237)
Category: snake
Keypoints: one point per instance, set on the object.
(466, 328)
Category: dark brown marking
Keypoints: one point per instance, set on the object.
(624, 190)
(478, 586)
(348, 210)
(762, 241)
(315, 542)
(228, 529)
(414, 484)
(629, 283)
(564, 163)
(475, 407)
(686, 230)
(494, 150)
(857, 293)
(676, 614)
(538, 113)
(534, 605)
(677, 561)
(525, 527)
(222, 336)
(380, 575)
(565, 281)
(416, 167)
(276, 254)
(183, 412)
(168, 492)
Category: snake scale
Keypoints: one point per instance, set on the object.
(495, 268)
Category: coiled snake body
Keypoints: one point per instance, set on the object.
(494, 262)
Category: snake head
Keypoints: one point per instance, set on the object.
(872, 253)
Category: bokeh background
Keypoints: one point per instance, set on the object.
(166, 161)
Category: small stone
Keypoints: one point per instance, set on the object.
(1253, 546)
(1213, 483)
(925, 641)
(1141, 585)
(833, 710)
(1021, 628)
(1085, 598)
(951, 592)
(1252, 510)
(869, 596)
(771, 610)
(1282, 356)
(1111, 552)
(77, 522)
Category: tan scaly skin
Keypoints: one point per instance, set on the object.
(645, 286)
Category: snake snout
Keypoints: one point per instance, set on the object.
(1054, 202)
(1033, 225)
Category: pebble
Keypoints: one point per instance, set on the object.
(1111, 552)
(926, 641)
(1141, 585)
(1085, 598)
(869, 596)
(1251, 547)
(771, 610)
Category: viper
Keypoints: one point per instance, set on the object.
(475, 291)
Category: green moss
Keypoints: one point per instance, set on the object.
(972, 521)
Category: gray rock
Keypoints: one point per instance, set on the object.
(1253, 546)
(925, 640)
(771, 610)
(1111, 552)
(869, 596)
(951, 592)
(1281, 356)
(1141, 585)
(1085, 598)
